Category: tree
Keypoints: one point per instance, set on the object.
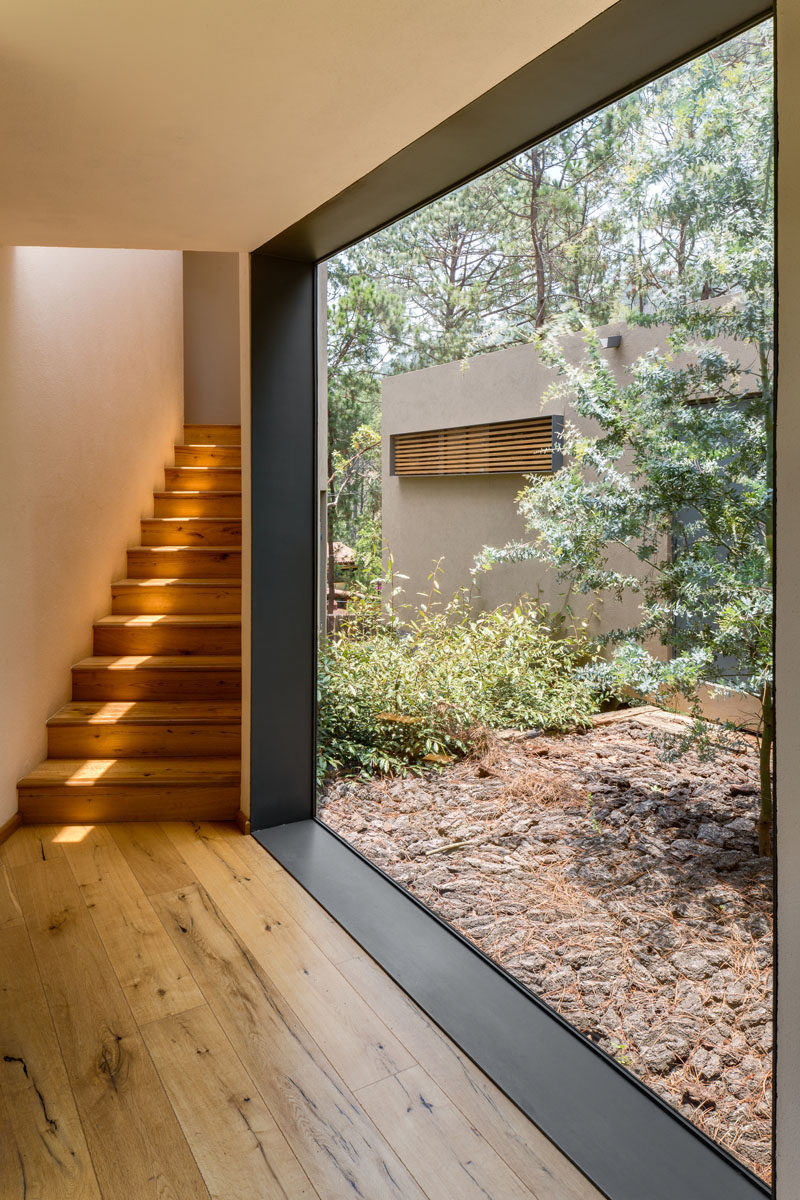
(695, 507)
(364, 319)
(679, 475)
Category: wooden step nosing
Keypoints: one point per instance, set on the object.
(149, 712)
(107, 787)
(199, 621)
(174, 662)
(183, 520)
(181, 772)
(221, 581)
(56, 722)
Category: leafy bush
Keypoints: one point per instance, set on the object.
(392, 692)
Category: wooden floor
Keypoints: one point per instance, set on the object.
(179, 1019)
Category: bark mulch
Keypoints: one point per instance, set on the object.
(622, 889)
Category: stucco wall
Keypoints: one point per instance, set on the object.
(91, 386)
(211, 354)
(425, 519)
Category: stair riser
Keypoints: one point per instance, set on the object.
(209, 504)
(210, 456)
(214, 479)
(214, 435)
(200, 532)
(176, 599)
(144, 741)
(184, 564)
(155, 684)
(155, 639)
(80, 805)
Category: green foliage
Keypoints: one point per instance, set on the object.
(446, 674)
(677, 479)
(369, 555)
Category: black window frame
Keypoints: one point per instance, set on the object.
(627, 1141)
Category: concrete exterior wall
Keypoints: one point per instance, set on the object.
(92, 402)
(453, 517)
(211, 350)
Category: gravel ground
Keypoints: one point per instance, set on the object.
(623, 890)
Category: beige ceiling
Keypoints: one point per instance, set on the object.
(197, 124)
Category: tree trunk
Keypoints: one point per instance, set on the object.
(765, 772)
(538, 257)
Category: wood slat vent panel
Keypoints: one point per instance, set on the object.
(529, 446)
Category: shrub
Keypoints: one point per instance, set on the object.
(392, 692)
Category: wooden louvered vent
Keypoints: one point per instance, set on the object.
(505, 447)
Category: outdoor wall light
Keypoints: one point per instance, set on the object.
(609, 342)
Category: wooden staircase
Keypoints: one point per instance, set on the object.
(153, 731)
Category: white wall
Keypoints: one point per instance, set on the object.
(91, 386)
(211, 349)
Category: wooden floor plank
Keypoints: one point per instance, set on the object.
(42, 1131)
(230, 1085)
(249, 850)
(240, 1150)
(10, 911)
(347, 1030)
(516, 1139)
(137, 1147)
(450, 1159)
(32, 843)
(153, 975)
(152, 857)
(339, 1147)
(12, 1174)
(311, 916)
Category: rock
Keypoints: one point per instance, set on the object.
(698, 1097)
(758, 926)
(758, 1015)
(682, 849)
(736, 994)
(714, 834)
(745, 825)
(693, 964)
(712, 1067)
(691, 1002)
(667, 1051)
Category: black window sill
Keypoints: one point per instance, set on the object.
(630, 1144)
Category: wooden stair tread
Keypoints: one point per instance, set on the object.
(170, 521)
(147, 712)
(171, 620)
(160, 662)
(144, 772)
(223, 581)
(190, 546)
(183, 493)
